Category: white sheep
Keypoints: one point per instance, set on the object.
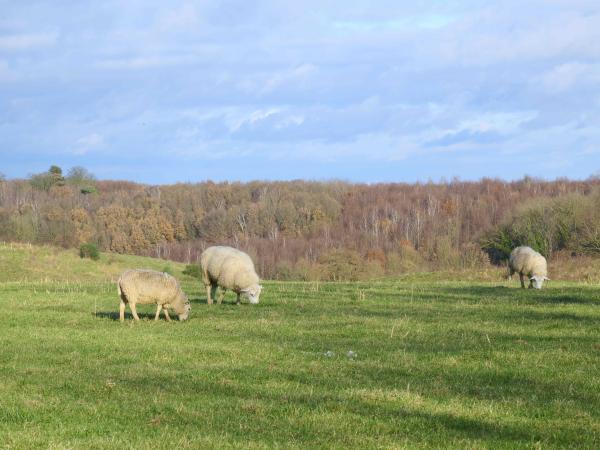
(527, 262)
(229, 268)
(139, 286)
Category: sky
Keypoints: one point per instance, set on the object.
(367, 91)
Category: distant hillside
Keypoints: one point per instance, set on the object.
(22, 262)
(295, 230)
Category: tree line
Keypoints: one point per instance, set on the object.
(306, 229)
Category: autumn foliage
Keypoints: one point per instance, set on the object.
(297, 229)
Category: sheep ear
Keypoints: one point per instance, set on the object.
(546, 279)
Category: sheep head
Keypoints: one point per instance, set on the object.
(186, 312)
(537, 281)
(253, 293)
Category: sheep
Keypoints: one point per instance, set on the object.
(229, 268)
(527, 262)
(139, 286)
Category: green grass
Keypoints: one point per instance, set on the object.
(438, 364)
(23, 262)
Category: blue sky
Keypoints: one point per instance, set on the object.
(161, 92)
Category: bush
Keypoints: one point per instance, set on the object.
(192, 270)
(168, 269)
(472, 257)
(569, 223)
(45, 180)
(406, 259)
(444, 254)
(88, 190)
(89, 251)
(284, 270)
(304, 270)
(340, 265)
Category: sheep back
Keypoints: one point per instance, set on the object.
(143, 286)
(526, 261)
(228, 267)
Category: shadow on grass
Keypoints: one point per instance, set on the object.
(481, 384)
(548, 317)
(227, 302)
(323, 398)
(546, 295)
(114, 315)
(464, 427)
(197, 300)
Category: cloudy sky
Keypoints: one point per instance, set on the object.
(375, 90)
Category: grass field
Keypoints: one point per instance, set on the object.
(434, 363)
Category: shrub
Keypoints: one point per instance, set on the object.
(568, 223)
(284, 270)
(444, 254)
(406, 259)
(168, 269)
(499, 243)
(80, 176)
(371, 270)
(304, 270)
(341, 265)
(89, 251)
(472, 257)
(45, 180)
(88, 190)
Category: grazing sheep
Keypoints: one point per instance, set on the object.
(527, 262)
(138, 286)
(229, 268)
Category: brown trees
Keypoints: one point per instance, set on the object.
(293, 229)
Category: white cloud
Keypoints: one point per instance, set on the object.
(570, 75)
(5, 73)
(181, 17)
(24, 42)
(264, 83)
(144, 62)
(500, 122)
(495, 35)
(291, 120)
(486, 129)
(316, 80)
(88, 143)
(407, 22)
(237, 119)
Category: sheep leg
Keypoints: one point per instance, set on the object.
(158, 308)
(166, 311)
(208, 292)
(122, 311)
(522, 281)
(221, 295)
(213, 292)
(133, 311)
(237, 302)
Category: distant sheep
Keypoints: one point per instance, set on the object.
(527, 262)
(138, 286)
(229, 268)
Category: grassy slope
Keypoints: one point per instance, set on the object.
(22, 262)
(439, 364)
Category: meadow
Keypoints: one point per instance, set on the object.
(422, 361)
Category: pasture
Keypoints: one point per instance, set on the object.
(418, 362)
